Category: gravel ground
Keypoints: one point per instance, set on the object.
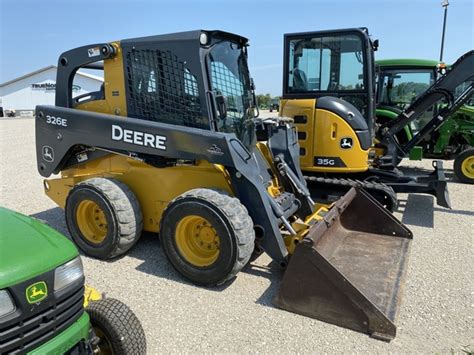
(436, 314)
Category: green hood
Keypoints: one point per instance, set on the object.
(29, 248)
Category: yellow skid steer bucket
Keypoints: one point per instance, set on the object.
(350, 269)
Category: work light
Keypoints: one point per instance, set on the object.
(203, 38)
(6, 303)
(68, 273)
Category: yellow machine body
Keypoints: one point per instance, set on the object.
(153, 187)
(319, 134)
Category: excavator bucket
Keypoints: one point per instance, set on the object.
(350, 269)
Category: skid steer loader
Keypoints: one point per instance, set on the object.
(171, 144)
(329, 91)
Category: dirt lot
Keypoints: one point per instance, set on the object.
(437, 310)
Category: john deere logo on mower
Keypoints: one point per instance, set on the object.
(36, 292)
(346, 143)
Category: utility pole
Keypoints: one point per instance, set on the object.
(444, 4)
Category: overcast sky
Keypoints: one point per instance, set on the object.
(34, 33)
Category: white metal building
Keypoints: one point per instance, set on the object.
(21, 95)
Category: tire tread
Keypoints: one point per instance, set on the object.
(237, 215)
(126, 208)
(126, 332)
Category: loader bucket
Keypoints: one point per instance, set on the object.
(350, 269)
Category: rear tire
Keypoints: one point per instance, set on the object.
(117, 327)
(464, 166)
(103, 217)
(207, 236)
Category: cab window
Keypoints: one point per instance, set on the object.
(400, 88)
(325, 64)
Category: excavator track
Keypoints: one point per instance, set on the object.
(325, 189)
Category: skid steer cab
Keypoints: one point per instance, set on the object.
(171, 144)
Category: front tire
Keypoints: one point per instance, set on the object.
(207, 236)
(118, 329)
(103, 217)
(464, 166)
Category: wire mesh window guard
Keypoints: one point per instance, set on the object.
(162, 89)
(232, 88)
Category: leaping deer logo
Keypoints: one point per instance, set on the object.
(346, 143)
(36, 292)
(48, 153)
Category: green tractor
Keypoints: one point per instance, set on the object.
(45, 307)
(400, 81)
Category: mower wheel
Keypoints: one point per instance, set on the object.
(116, 327)
(103, 217)
(207, 236)
(464, 166)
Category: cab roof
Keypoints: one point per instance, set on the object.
(407, 62)
(187, 36)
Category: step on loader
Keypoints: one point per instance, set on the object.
(171, 144)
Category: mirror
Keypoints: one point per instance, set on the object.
(375, 45)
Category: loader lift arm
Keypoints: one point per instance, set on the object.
(462, 71)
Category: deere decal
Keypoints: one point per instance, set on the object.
(36, 292)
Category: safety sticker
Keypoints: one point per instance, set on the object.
(93, 52)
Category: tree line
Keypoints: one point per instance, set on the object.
(265, 100)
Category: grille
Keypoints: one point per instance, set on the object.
(30, 332)
(162, 89)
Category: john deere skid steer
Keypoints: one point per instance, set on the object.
(170, 144)
(329, 91)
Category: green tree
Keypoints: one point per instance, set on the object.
(264, 100)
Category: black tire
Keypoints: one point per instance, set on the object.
(232, 224)
(121, 210)
(117, 327)
(458, 161)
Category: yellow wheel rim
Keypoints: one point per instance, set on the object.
(197, 241)
(91, 221)
(467, 167)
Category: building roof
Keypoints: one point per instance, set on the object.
(45, 69)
